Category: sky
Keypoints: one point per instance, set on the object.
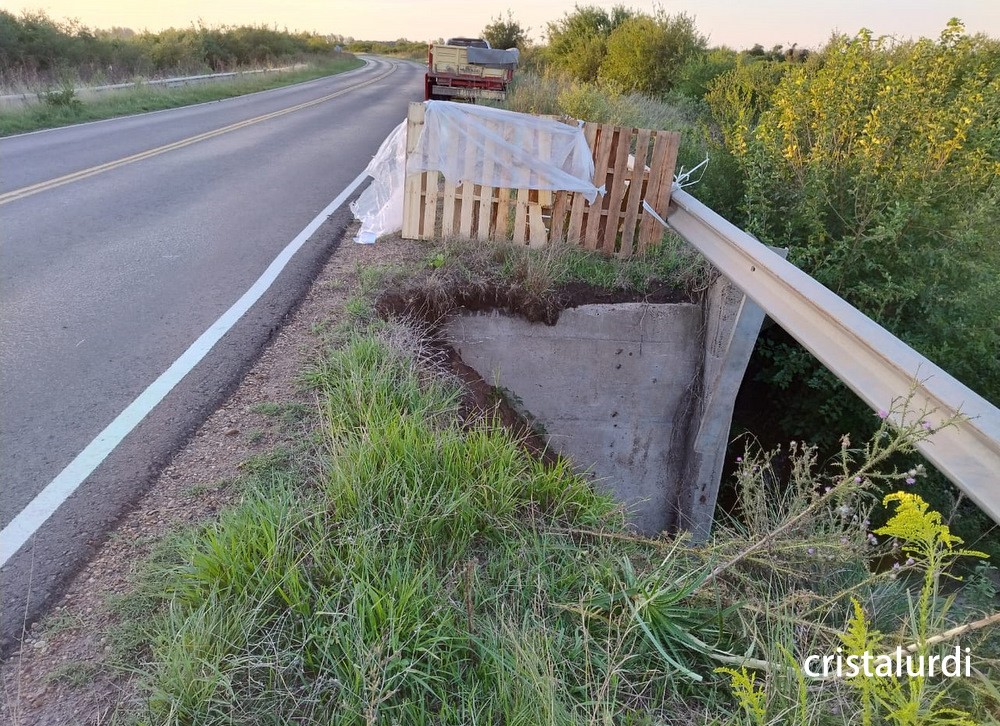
(736, 23)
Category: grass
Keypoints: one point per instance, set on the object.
(60, 623)
(65, 109)
(395, 563)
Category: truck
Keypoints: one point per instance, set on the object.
(468, 69)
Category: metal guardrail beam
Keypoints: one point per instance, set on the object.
(871, 361)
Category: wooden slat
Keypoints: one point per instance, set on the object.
(450, 196)
(663, 199)
(617, 190)
(411, 186)
(648, 227)
(428, 223)
(470, 150)
(635, 191)
(448, 210)
(521, 217)
(521, 202)
(502, 230)
(560, 208)
(485, 223)
(538, 235)
(601, 164)
(658, 190)
(506, 164)
(577, 204)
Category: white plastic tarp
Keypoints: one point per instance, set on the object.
(380, 206)
(477, 144)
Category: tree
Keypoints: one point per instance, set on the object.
(578, 42)
(696, 75)
(646, 52)
(506, 33)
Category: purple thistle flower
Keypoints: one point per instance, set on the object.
(910, 480)
(883, 414)
(811, 550)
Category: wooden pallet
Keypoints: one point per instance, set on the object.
(633, 165)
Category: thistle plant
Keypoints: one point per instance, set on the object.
(790, 558)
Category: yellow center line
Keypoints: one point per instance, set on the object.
(27, 191)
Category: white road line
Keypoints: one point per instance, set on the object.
(47, 501)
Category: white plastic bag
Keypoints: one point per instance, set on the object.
(379, 208)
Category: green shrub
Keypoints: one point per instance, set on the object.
(63, 98)
(696, 75)
(578, 42)
(645, 53)
(877, 165)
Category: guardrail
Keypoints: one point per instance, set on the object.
(871, 361)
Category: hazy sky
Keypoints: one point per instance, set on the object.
(738, 23)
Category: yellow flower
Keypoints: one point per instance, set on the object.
(915, 522)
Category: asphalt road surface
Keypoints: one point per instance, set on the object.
(121, 242)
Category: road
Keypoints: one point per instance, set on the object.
(121, 242)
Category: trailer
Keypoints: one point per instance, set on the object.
(468, 69)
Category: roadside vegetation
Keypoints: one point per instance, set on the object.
(50, 60)
(63, 108)
(38, 51)
(410, 562)
(402, 48)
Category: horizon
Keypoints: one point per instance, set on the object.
(724, 22)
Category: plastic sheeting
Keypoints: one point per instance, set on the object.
(380, 206)
(498, 148)
(476, 144)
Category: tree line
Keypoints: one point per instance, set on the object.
(33, 44)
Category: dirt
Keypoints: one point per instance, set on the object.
(430, 306)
